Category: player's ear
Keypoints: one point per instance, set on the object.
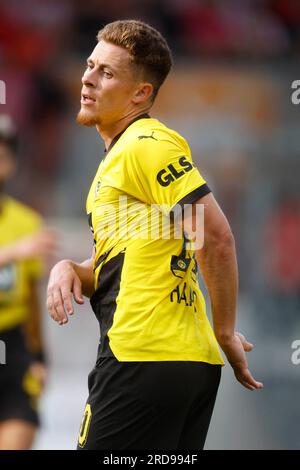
(143, 93)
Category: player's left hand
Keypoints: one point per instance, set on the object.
(235, 349)
(246, 345)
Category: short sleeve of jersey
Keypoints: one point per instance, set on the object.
(162, 172)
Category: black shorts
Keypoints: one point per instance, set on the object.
(19, 391)
(148, 405)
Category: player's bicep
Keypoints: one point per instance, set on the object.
(213, 222)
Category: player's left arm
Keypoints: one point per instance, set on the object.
(218, 264)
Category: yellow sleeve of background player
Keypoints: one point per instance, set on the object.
(35, 266)
(162, 172)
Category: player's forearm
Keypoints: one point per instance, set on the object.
(85, 273)
(218, 265)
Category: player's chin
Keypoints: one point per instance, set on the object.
(87, 118)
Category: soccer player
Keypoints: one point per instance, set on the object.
(23, 244)
(158, 367)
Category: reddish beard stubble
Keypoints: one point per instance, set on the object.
(85, 118)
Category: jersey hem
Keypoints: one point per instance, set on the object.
(170, 357)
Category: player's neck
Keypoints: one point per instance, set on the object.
(110, 131)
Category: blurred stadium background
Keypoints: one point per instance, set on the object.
(230, 95)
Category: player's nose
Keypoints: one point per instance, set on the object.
(88, 79)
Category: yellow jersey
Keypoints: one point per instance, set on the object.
(16, 221)
(147, 296)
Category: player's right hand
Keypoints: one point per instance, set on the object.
(64, 285)
(235, 350)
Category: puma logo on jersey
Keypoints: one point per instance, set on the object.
(140, 137)
(169, 174)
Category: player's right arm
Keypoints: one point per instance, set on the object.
(69, 280)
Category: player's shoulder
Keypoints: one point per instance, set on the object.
(24, 215)
(153, 134)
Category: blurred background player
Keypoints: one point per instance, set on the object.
(23, 246)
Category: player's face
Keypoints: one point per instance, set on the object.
(7, 163)
(108, 86)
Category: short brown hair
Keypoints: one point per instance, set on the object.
(147, 47)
